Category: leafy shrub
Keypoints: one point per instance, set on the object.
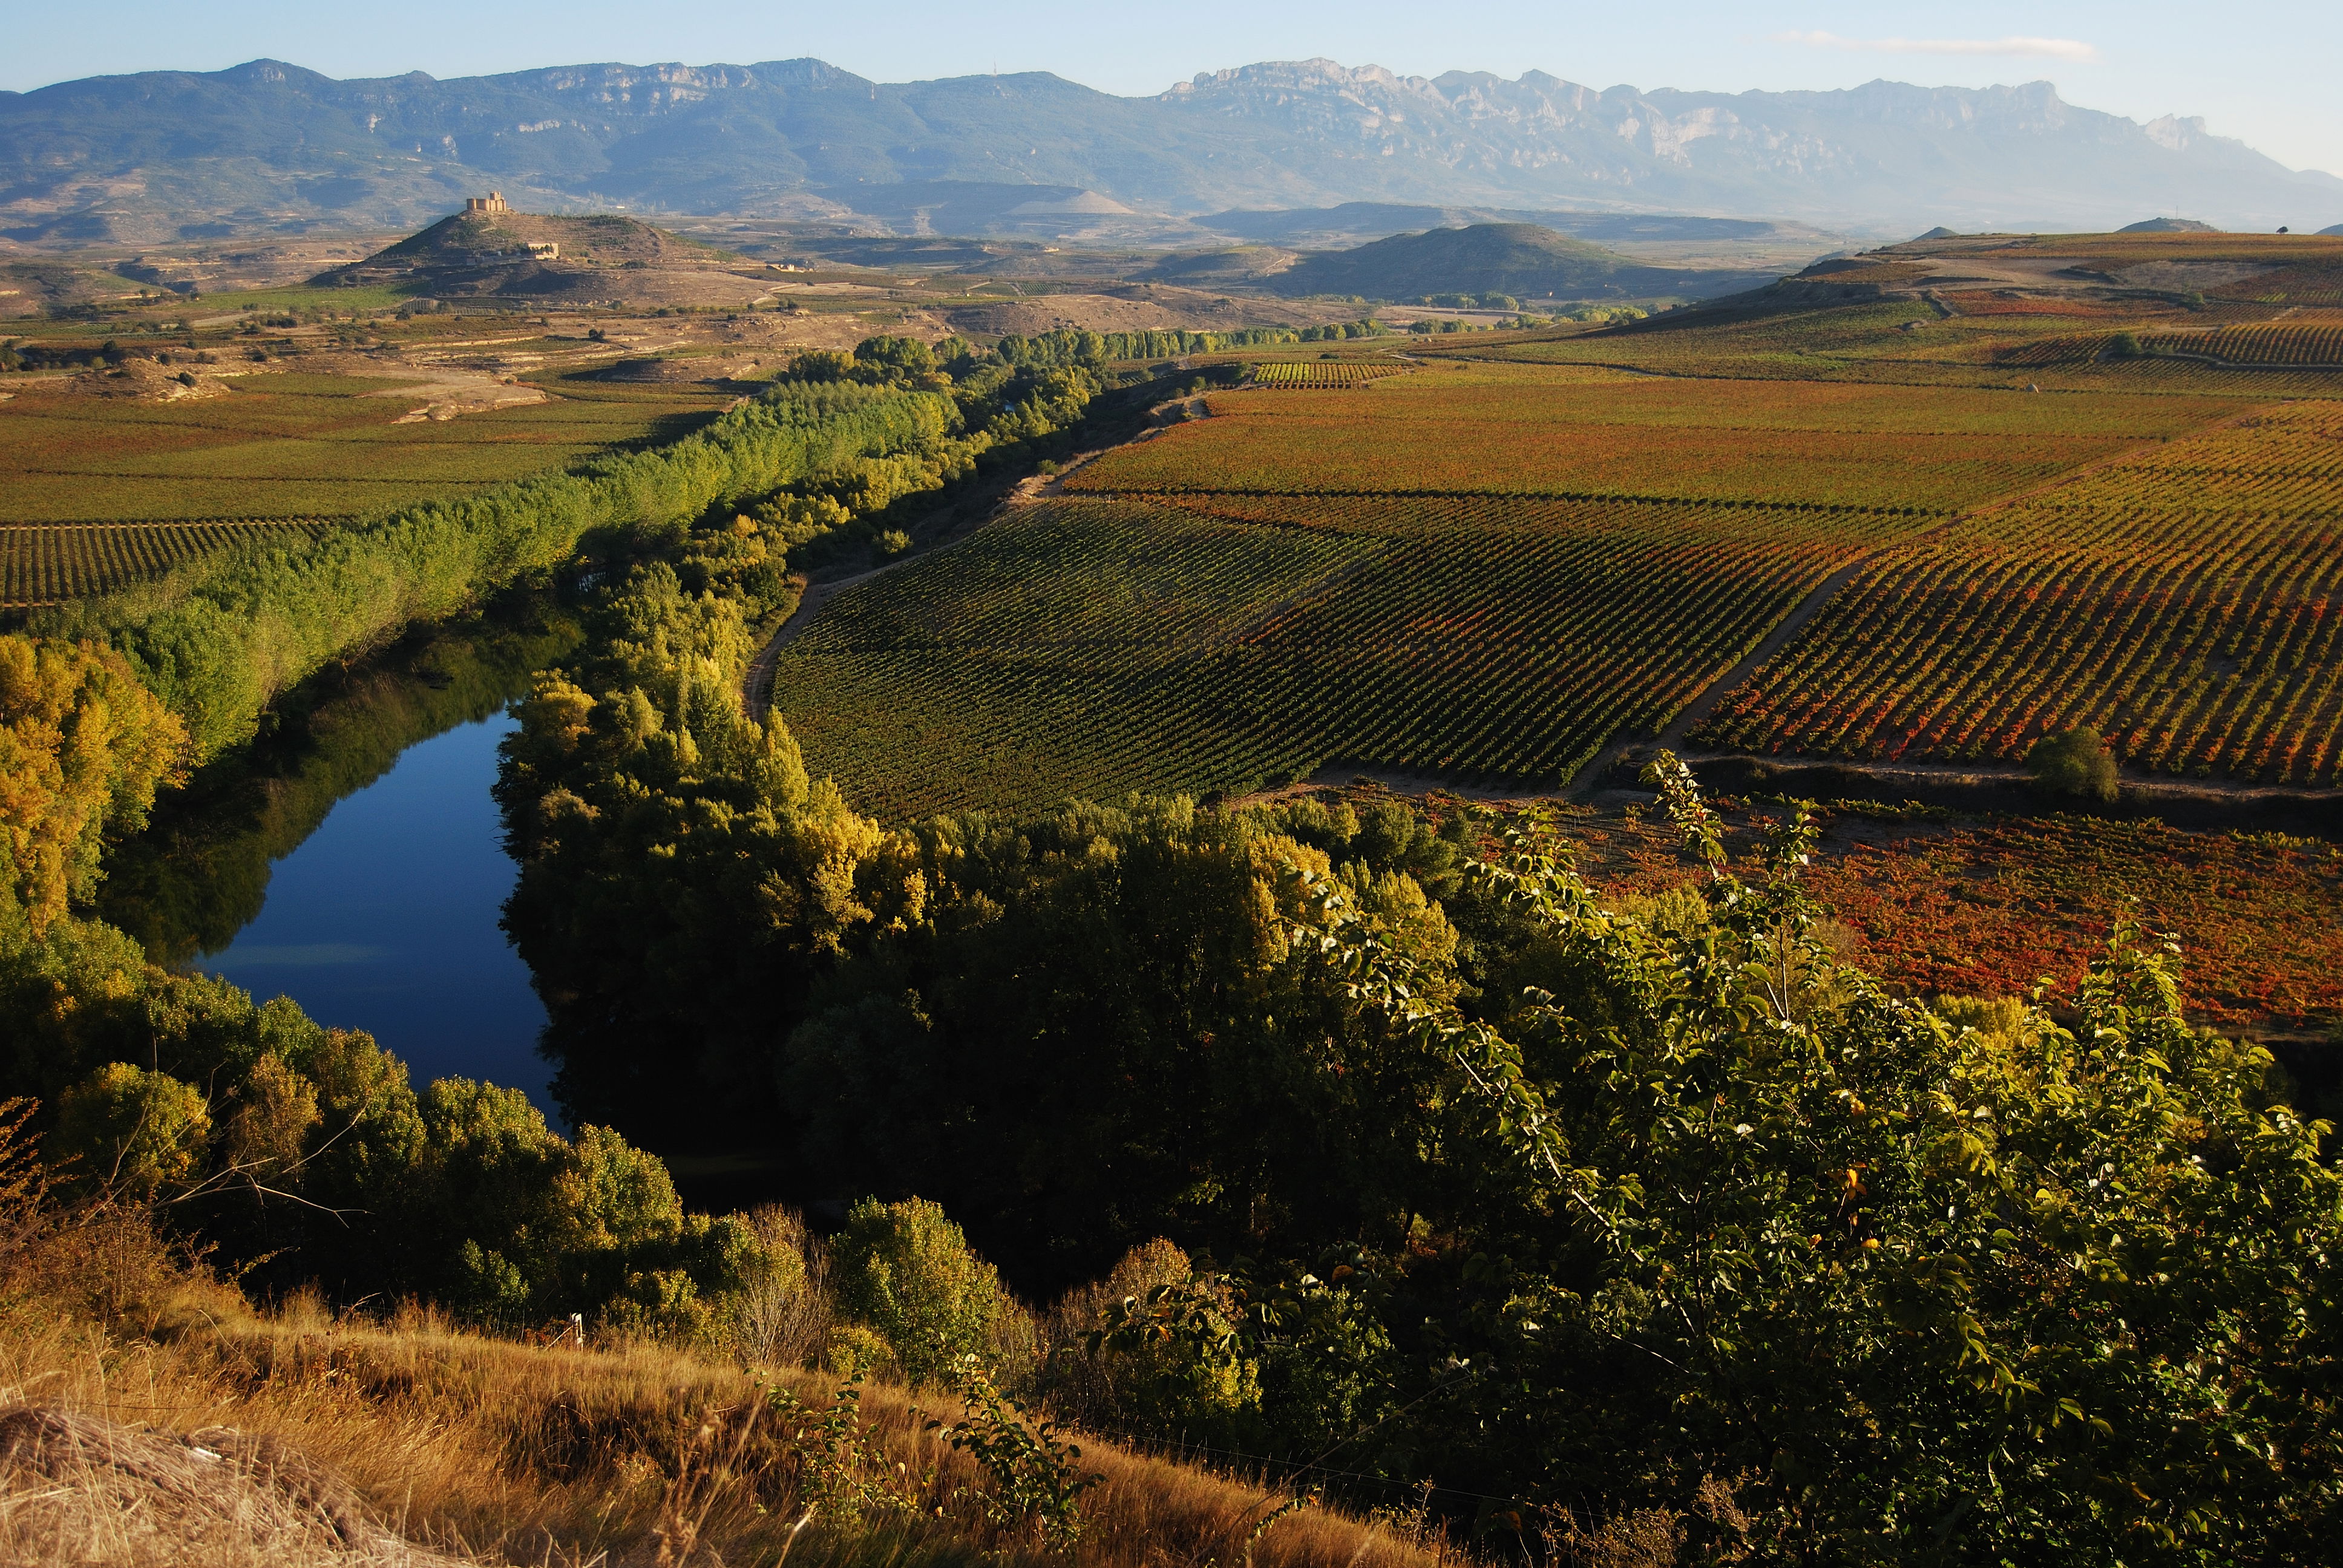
(1153, 1350)
(2075, 764)
(128, 1128)
(1034, 1474)
(906, 1272)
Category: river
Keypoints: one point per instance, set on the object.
(350, 858)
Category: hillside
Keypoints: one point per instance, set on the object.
(293, 1439)
(166, 156)
(603, 258)
(1521, 259)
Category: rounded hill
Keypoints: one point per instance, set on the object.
(598, 257)
(1526, 260)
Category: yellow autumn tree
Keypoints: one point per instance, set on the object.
(83, 748)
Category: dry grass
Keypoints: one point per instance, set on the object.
(83, 1490)
(149, 1415)
(489, 1450)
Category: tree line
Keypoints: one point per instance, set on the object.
(1071, 346)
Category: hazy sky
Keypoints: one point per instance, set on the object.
(2264, 70)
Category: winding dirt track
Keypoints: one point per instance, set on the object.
(757, 686)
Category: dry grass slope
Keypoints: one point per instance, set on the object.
(147, 1416)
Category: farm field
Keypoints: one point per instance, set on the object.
(41, 563)
(1939, 904)
(277, 451)
(2186, 602)
(2285, 342)
(1341, 374)
(1096, 647)
(1508, 430)
(2021, 342)
(1487, 573)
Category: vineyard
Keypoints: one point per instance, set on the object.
(2186, 602)
(280, 451)
(1514, 431)
(2288, 285)
(1996, 301)
(1337, 375)
(1098, 646)
(2318, 345)
(1496, 570)
(2285, 343)
(43, 563)
(1988, 907)
(1908, 343)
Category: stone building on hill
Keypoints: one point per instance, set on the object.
(492, 202)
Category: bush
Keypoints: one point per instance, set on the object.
(130, 1128)
(2075, 764)
(906, 1272)
(1108, 1378)
(778, 1314)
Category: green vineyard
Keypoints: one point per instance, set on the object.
(2188, 601)
(46, 563)
(1337, 375)
(2283, 346)
(1231, 640)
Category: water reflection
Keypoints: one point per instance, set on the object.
(386, 918)
(349, 859)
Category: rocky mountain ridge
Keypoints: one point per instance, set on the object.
(269, 147)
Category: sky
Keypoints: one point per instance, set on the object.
(2262, 71)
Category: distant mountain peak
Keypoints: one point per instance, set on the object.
(268, 145)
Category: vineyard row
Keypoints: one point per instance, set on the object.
(46, 563)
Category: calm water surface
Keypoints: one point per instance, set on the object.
(385, 920)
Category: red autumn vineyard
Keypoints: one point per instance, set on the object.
(2187, 602)
(1988, 907)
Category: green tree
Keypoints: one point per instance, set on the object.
(908, 1273)
(2074, 764)
(132, 1130)
(1935, 1294)
(819, 364)
(894, 360)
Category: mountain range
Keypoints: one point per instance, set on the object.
(269, 147)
